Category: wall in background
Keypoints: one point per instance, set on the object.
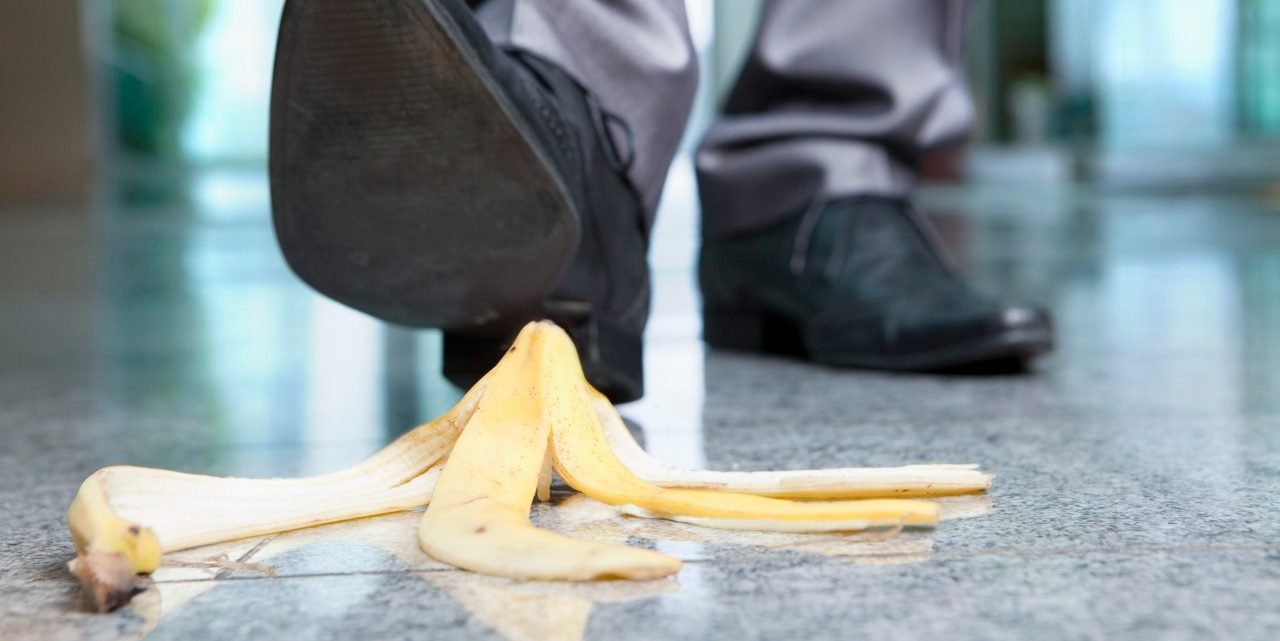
(46, 137)
(735, 28)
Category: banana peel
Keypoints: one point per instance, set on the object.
(478, 468)
(478, 518)
(907, 481)
(585, 460)
(124, 518)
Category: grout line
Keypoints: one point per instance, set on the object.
(1135, 551)
(244, 558)
(1128, 550)
(311, 575)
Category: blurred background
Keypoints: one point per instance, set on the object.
(1126, 168)
(1129, 92)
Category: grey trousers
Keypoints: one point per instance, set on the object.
(836, 98)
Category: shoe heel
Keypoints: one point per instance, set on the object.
(751, 330)
(368, 97)
(733, 328)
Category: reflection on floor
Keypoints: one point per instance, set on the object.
(1138, 468)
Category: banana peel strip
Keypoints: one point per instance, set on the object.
(532, 413)
(124, 518)
(908, 481)
(585, 460)
(478, 518)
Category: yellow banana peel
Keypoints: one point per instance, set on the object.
(124, 518)
(907, 481)
(478, 468)
(584, 459)
(478, 518)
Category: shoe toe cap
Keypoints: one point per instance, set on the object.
(1023, 318)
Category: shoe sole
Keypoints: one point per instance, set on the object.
(404, 184)
(762, 332)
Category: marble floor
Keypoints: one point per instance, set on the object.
(1138, 467)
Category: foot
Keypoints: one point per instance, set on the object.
(424, 176)
(859, 283)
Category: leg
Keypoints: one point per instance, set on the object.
(430, 174)
(634, 55)
(809, 244)
(835, 99)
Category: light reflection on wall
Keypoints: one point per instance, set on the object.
(234, 60)
(1166, 71)
(344, 382)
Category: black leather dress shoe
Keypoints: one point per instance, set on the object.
(858, 282)
(429, 178)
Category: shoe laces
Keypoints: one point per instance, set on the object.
(605, 123)
(804, 237)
